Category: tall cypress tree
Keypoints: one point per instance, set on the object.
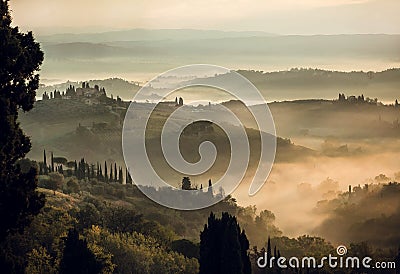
(111, 173)
(92, 172)
(269, 251)
(100, 173)
(224, 247)
(244, 247)
(20, 59)
(52, 162)
(45, 162)
(75, 169)
(105, 172)
(97, 171)
(115, 172)
(186, 184)
(210, 188)
(120, 176)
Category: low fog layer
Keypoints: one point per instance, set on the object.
(294, 189)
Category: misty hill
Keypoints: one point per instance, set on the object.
(114, 86)
(279, 85)
(335, 120)
(135, 56)
(183, 42)
(84, 50)
(147, 35)
(369, 45)
(324, 84)
(366, 213)
(316, 83)
(72, 129)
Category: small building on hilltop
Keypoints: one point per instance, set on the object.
(89, 92)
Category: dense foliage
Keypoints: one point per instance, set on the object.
(20, 59)
(224, 246)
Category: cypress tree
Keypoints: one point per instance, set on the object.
(115, 172)
(100, 173)
(20, 59)
(45, 162)
(92, 173)
(223, 246)
(210, 188)
(52, 162)
(120, 176)
(83, 168)
(111, 173)
(40, 168)
(244, 247)
(105, 172)
(75, 169)
(269, 251)
(186, 184)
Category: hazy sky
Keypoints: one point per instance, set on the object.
(275, 16)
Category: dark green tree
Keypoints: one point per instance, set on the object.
(92, 171)
(20, 58)
(45, 162)
(185, 247)
(223, 246)
(210, 188)
(115, 172)
(111, 173)
(186, 184)
(269, 250)
(244, 247)
(60, 169)
(120, 176)
(105, 172)
(128, 179)
(82, 170)
(75, 169)
(77, 257)
(98, 171)
(52, 162)
(101, 173)
(121, 219)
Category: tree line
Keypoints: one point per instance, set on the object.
(83, 170)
